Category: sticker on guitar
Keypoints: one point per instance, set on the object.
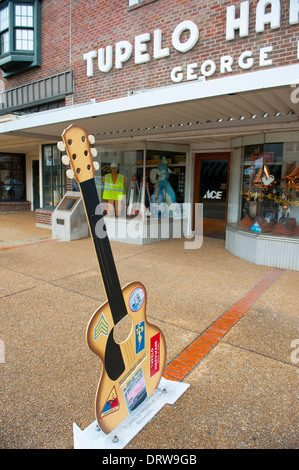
(132, 369)
(111, 405)
(136, 299)
(135, 390)
(139, 337)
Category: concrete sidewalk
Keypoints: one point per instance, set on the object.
(243, 390)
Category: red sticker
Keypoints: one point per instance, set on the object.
(111, 405)
(155, 354)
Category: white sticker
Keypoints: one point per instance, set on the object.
(136, 299)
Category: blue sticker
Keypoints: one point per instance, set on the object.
(139, 337)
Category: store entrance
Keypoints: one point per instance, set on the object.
(211, 189)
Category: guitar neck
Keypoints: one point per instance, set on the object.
(103, 250)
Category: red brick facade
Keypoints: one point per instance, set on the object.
(44, 216)
(20, 206)
(72, 28)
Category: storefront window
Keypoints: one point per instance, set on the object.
(270, 189)
(135, 176)
(12, 177)
(54, 178)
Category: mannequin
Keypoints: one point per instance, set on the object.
(163, 183)
(114, 190)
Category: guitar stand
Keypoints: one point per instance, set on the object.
(167, 392)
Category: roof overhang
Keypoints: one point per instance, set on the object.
(194, 109)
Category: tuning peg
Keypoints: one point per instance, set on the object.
(70, 174)
(96, 165)
(94, 152)
(65, 159)
(61, 146)
(91, 139)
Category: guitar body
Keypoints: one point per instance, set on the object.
(122, 389)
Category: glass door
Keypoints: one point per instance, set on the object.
(211, 189)
(35, 181)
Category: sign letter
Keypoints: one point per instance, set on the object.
(262, 18)
(208, 68)
(89, 56)
(233, 23)
(123, 51)
(264, 60)
(226, 63)
(177, 74)
(294, 11)
(249, 63)
(141, 54)
(105, 65)
(191, 75)
(159, 53)
(193, 38)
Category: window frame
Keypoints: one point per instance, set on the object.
(62, 186)
(14, 60)
(5, 30)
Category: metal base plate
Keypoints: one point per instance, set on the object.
(92, 437)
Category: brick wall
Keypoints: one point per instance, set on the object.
(70, 29)
(43, 216)
(101, 26)
(15, 206)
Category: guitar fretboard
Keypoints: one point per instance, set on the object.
(103, 251)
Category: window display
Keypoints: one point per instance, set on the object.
(12, 177)
(270, 189)
(137, 178)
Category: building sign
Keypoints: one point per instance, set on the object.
(266, 13)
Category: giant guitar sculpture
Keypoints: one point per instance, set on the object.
(132, 369)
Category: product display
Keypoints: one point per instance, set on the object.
(270, 191)
(131, 176)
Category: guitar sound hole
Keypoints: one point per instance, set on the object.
(122, 330)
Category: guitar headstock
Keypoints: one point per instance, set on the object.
(79, 154)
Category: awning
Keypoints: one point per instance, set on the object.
(183, 111)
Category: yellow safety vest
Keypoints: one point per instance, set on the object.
(115, 190)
